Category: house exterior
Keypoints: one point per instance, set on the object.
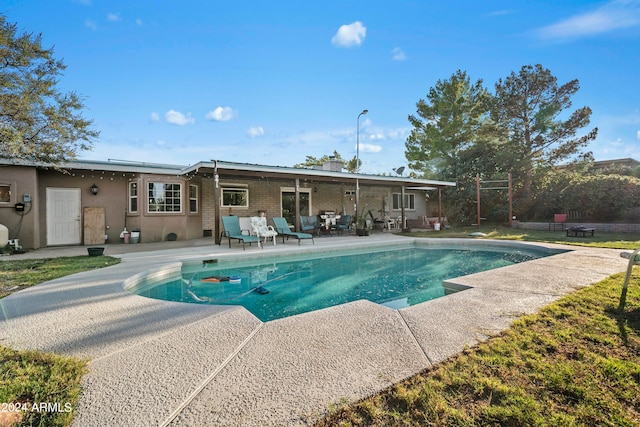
(94, 202)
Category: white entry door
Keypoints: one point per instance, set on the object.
(63, 216)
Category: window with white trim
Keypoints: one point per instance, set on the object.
(133, 197)
(193, 198)
(234, 197)
(409, 201)
(164, 197)
(5, 193)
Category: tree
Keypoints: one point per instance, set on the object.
(37, 122)
(452, 140)
(447, 124)
(528, 108)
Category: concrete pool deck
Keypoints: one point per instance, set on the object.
(156, 363)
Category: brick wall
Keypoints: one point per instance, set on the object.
(265, 195)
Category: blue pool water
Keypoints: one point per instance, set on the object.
(280, 287)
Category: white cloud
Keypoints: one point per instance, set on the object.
(614, 15)
(139, 22)
(501, 12)
(638, 135)
(221, 114)
(350, 35)
(155, 117)
(255, 131)
(177, 118)
(91, 25)
(113, 17)
(370, 148)
(398, 54)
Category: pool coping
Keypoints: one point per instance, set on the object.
(155, 362)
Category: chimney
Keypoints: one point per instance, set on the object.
(332, 165)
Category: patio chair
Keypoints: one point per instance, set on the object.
(262, 230)
(344, 224)
(232, 231)
(283, 229)
(310, 224)
(558, 220)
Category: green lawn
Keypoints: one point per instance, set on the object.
(600, 240)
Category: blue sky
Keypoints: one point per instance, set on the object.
(272, 82)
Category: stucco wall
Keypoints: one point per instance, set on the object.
(112, 196)
(22, 225)
(156, 226)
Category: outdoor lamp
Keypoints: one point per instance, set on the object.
(94, 189)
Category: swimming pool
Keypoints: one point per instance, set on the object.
(396, 276)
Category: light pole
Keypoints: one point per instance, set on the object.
(358, 167)
(358, 140)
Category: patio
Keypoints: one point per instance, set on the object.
(161, 363)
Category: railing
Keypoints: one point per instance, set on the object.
(634, 259)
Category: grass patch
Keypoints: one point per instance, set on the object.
(576, 362)
(44, 386)
(19, 274)
(28, 378)
(600, 240)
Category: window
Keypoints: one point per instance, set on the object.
(193, 198)
(5, 193)
(133, 197)
(409, 201)
(235, 197)
(164, 197)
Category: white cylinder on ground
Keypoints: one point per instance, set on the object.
(4, 236)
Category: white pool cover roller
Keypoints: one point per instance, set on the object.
(4, 236)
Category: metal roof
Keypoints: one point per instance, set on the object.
(239, 169)
(315, 174)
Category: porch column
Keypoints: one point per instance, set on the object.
(216, 205)
(297, 216)
(440, 207)
(357, 205)
(402, 207)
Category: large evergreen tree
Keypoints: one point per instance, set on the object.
(37, 122)
(452, 139)
(530, 108)
(447, 123)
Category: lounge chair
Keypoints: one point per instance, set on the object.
(344, 223)
(283, 229)
(262, 230)
(232, 231)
